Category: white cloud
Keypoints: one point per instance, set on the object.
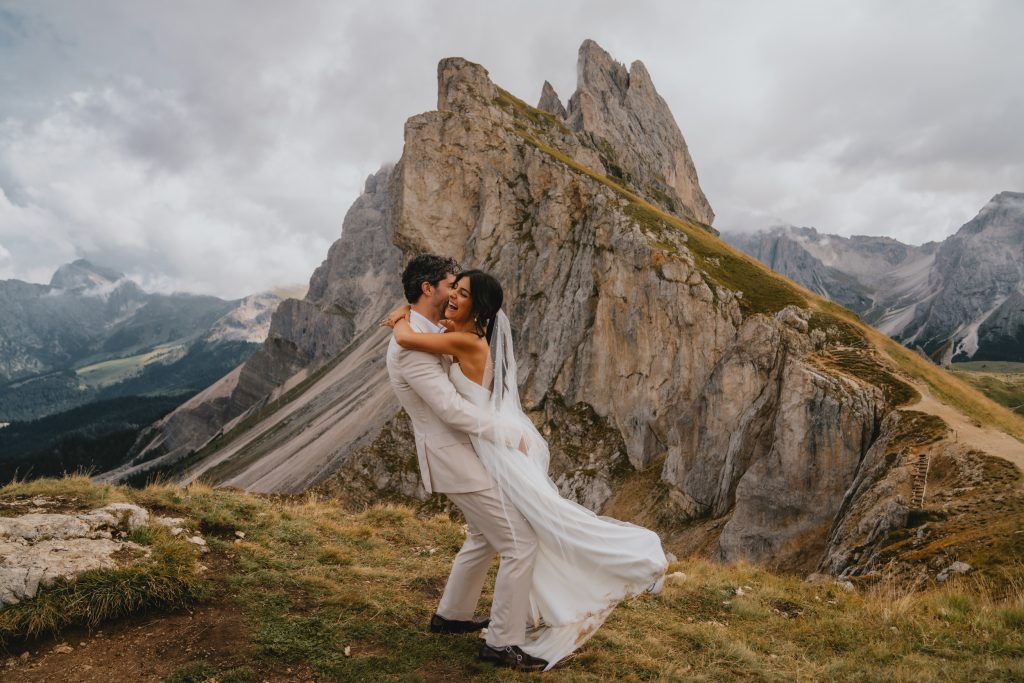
(215, 147)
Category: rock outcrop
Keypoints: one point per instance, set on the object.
(36, 549)
(633, 127)
(550, 102)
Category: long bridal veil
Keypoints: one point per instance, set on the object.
(585, 564)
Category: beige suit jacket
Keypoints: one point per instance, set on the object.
(442, 420)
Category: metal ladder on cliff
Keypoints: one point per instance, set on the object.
(921, 466)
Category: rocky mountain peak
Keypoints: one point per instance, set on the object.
(463, 85)
(636, 132)
(83, 273)
(1007, 197)
(1003, 208)
(550, 102)
(598, 72)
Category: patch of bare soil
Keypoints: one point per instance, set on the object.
(141, 648)
(147, 648)
(15, 506)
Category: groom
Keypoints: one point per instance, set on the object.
(443, 422)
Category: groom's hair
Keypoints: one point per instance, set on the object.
(426, 268)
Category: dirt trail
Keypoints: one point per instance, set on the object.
(966, 430)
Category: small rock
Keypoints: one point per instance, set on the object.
(63, 649)
(671, 558)
(348, 651)
(240, 534)
(675, 578)
(200, 543)
(24, 656)
(955, 568)
(817, 579)
(794, 317)
(846, 586)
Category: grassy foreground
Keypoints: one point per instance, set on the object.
(313, 582)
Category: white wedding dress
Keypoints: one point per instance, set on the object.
(585, 564)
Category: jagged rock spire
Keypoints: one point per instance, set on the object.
(550, 102)
(644, 145)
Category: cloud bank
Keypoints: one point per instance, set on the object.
(214, 147)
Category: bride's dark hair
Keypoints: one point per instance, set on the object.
(486, 297)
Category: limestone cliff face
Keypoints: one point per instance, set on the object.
(679, 383)
(632, 125)
(633, 354)
(770, 433)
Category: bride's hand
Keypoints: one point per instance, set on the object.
(448, 325)
(394, 316)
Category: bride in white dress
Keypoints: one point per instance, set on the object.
(586, 564)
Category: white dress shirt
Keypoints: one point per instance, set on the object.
(426, 322)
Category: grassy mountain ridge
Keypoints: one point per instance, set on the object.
(763, 290)
(315, 592)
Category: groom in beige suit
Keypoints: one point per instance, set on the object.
(443, 422)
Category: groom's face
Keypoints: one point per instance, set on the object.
(439, 295)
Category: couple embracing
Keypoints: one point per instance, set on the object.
(562, 568)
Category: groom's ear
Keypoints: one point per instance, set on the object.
(426, 288)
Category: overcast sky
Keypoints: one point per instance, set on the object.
(215, 146)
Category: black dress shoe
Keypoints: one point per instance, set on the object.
(439, 624)
(511, 656)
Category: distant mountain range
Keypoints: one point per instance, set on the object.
(92, 334)
(959, 299)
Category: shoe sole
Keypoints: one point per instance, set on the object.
(514, 667)
(509, 665)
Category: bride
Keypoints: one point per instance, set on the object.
(585, 564)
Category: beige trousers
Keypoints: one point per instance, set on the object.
(490, 532)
